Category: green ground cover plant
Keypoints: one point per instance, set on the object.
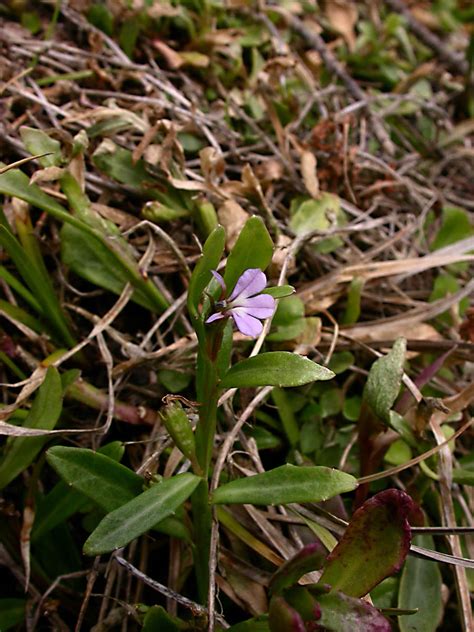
(236, 330)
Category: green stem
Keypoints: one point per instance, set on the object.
(208, 394)
(202, 523)
(206, 428)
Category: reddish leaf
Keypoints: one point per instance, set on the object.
(283, 618)
(340, 613)
(310, 558)
(374, 546)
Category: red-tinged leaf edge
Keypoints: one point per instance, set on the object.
(310, 558)
(391, 508)
(283, 618)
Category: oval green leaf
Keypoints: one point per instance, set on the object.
(384, 381)
(38, 142)
(101, 479)
(286, 484)
(276, 368)
(420, 587)
(126, 523)
(63, 500)
(104, 481)
(279, 291)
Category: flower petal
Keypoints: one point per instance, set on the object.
(260, 306)
(219, 279)
(251, 282)
(216, 316)
(246, 324)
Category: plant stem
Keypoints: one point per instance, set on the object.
(206, 427)
(202, 523)
(207, 388)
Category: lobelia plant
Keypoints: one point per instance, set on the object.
(215, 303)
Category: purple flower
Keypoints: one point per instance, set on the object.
(246, 305)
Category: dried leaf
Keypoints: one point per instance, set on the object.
(342, 15)
(49, 174)
(212, 164)
(232, 217)
(308, 171)
(25, 541)
(172, 58)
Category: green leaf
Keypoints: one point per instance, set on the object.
(158, 620)
(463, 477)
(63, 500)
(20, 452)
(253, 249)
(331, 402)
(31, 20)
(20, 289)
(384, 381)
(110, 263)
(341, 361)
(174, 381)
(351, 407)
(37, 278)
(321, 215)
(98, 265)
(126, 523)
(354, 294)
(257, 624)
(339, 612)
(277, 368)
(420, 587)
(118, 164)
(399, 452)
(455, 226)
(374, 545)
(19, 314)
(280, 291)
(12, 613)
(288, 321)
(16, 183)
(107, 483)
(283, 618)
(286, 484)
(206, 217)
(286, 414)
(289, 311)
(225, 351)
(104, 481)
(128, 35)
(38, 142)
(102, 18)
(159, 212)
(211, 255)
(446, 284)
